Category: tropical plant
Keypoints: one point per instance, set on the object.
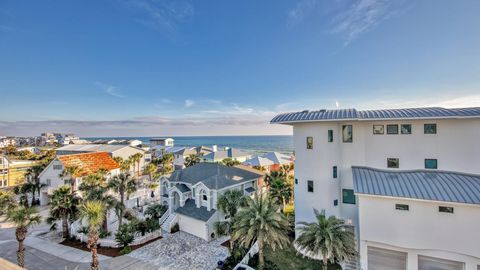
(281, 192)
(230, 162)
(155, 211)
(166, 163)
(122, 184)
(70, 173)
(125, 165)
(63, 206)
(330, 238)
(151, 169)
(136, 158)
(260, 168)
(124, 235)
(260, 221)
(175, 228)
(22, 191)
(32, 177)
(23, 218)
(93, 213)
(229, 203)
(275, 175)
(7, 201)
(287, 168)
(191, 160)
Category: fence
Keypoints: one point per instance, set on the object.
(244, 262)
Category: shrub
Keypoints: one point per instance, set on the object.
(104, 233)
(175, 228)
(83, 229)
(124, 235)
(155, 211)
(129, 215)
(125, 250)
(141, 227)
(152, 224)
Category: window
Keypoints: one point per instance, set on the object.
(392, 129)
(330, 135)
(431, 163)
(430, 128)
(335, 202)
(406, 129)
(310, 186)
(49, 182)
(403, 207)
(296, 181)
(57, 167)
(348, 196)
(393, 163)
(378, 129)
(309, 142)
(347, 133)
(204, 197)
(445, 209)
(335, 172)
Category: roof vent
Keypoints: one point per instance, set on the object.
(305, 111)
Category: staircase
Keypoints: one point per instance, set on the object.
(168, 221)
(352, 264)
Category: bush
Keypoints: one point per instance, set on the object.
(175, 228)
(152, 224)
(155, 211)
(141, 227)
(124, 235)
(83, 229)
(125, 250)
(129, 215)
(269, 265)
(104, 233)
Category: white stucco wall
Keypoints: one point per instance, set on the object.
(422, 230)
(193, 226)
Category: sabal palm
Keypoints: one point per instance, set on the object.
(281, 191)
(63, 206)
(33, 174)
(7, 200)
(122, 184)
(229, 203)
(92, 212)
(71, 173)
(23, 218)
(273, 176)
(136, 158)
(260, 221)
(124, 164)
(191, 160)
(151, 169)
(329, 238)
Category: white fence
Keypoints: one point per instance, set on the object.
(251, 252)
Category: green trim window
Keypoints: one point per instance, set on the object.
(431, 163)
(348, 196)
(335, 202)
(445, 209)
(392, 129)
(406, 129)
(430, 129)
(310, 186)
(335, 172)
(393, 163)
(402, 207)
(309, 142)
(378, 129)
(347, 133)
(330, 135)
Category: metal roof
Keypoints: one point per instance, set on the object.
(431, 185)
(353, 114)
(109, 148)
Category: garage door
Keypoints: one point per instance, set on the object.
(430, 263)
(384, 259)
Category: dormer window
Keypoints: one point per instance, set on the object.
(204, 197)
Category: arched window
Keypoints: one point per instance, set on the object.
(203, 195)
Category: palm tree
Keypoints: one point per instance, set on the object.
(151, 169)
(281, 191)
(63, 206)
(7, 200)
(191, 160)
(260, 221)
(275, 175)
(329, 238)
(287, 168)
(136, 158)
(71, 173)
(32, 176)
(22, 191)
(23, 218)
(124, 164)
(230, 162)
(229, 203)
(122, 184)
(166, 161)
(93, 213)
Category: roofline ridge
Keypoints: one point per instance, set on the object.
(415, 170)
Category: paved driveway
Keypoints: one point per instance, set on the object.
(182, 251)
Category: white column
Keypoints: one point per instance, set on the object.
(363, 255)
(412, 261)
(209, 200)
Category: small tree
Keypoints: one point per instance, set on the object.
(93, 212)
(125, 236)
(63, 206)
(70, 173)
(191, 160)
(281, 191)
(155, 211)
(151, 169)
(230, 162)
(229, 203)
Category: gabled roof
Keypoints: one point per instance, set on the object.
(109, 148)
(89, 162)
(258, 161)
(223, 154)
(389, 114)
(418, 184)
(213, 175)
(190, 209)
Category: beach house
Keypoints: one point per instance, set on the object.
(191, 195)
(232, 153)
(407, 180)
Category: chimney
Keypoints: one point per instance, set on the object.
(214, 148)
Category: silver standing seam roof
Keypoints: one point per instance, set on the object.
(353, 114)
(431, 185)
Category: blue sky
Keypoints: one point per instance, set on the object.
(179, 67)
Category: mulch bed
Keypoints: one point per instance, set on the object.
(107, 251)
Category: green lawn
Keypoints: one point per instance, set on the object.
(287, 259)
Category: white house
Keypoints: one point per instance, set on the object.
(191, 195)
(87, 163)
(219, 155)
(332, 149)
(162, 141)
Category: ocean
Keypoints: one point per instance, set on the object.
(253, 144)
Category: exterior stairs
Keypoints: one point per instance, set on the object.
(167, 221)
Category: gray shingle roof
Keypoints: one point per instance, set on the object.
(418, 184)
(222, 154)
(213, 175)
(182, 187)
(353, 114)
(190, 209)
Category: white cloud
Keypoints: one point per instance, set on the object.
(189, 103)
(110, 89)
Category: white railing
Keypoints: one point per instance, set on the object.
(163, 217)
(251, 252)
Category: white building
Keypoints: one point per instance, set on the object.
(232, 153)
(191, 195)
(330, 145)
(162, 141)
